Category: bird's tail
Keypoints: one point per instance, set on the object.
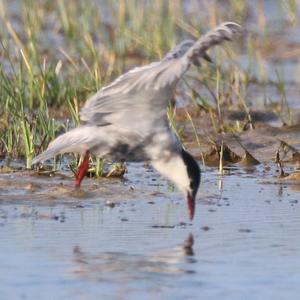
(78, 140)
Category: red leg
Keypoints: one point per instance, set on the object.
(82, 169)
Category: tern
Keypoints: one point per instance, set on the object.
(127, 120)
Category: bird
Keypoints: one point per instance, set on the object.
(127, 119)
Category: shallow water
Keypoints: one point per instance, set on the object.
(244, 242)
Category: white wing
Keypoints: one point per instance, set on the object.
(139, 98)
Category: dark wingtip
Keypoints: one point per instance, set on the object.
(207, 57)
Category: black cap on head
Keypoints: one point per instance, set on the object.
(194, 174)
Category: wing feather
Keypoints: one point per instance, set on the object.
(141, 95)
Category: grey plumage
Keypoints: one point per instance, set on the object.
(132, 109)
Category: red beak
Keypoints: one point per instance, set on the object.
(191, 206)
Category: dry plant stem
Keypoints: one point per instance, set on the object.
(221, 169)
(219, 98)
(279, 163)
(196, 135)
(213, 121)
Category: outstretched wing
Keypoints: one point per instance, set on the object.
(139, 98)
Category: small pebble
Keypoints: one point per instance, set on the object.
(163, 226)
(79, 206)
(110, 204)
(245, 230)
(205, 228)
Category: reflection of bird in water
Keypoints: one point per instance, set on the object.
(127, 119)
(116, 265)
(188, 245)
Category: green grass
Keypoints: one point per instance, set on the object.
(54, 54)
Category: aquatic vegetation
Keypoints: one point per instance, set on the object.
(54, 54)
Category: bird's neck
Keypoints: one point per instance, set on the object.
(175, 170)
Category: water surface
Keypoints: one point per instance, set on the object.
(244, 242)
